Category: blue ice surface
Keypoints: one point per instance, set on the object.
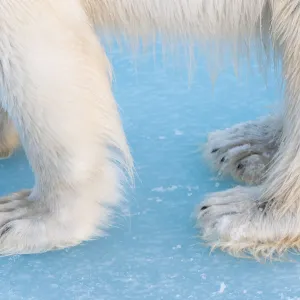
(153, 251)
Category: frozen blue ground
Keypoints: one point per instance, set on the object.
(153, 253)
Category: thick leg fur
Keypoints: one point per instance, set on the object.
(265, 220)
(57, 88)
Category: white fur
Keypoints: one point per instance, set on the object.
(57, 92)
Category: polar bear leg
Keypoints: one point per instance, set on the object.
(264, 221)
(58, 95)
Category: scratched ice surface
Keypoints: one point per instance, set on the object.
(153, 251)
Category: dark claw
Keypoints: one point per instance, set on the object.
(204, 207)
(215, 150)
(240, 166)
(265, 205)
(223, 159)
(5, 231)
(262, 206)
